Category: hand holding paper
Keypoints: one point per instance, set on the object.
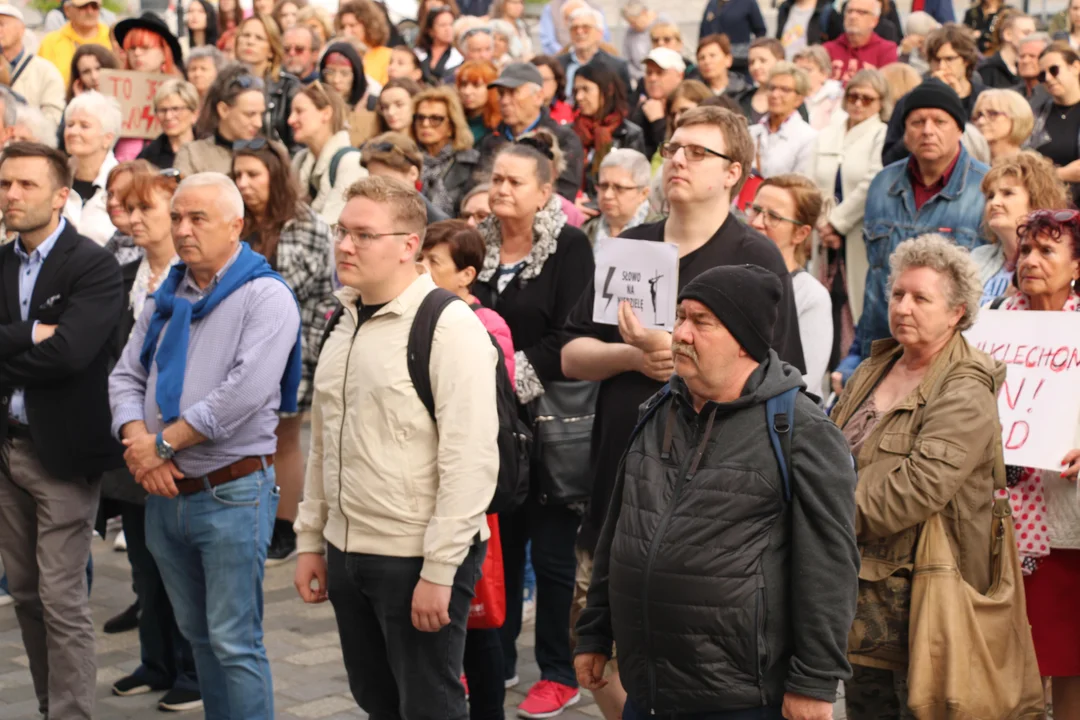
(634, 333)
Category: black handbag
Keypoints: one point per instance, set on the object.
(562, 437)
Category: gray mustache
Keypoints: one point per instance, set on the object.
(681, 348)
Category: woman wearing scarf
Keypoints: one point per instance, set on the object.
(601, 122)
(440, 129)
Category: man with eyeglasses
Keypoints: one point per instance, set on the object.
(936, 190)
(84, 27)
(586, 34)
(301, 53)
(705, 164)
(215, 355)
(859, 47)
(393, 516)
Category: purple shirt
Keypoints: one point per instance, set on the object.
(236, 357)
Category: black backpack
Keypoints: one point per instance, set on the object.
(515, 437)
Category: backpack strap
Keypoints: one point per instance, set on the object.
(780, 417)
(331, 323)
(421, 337)
(335, 162)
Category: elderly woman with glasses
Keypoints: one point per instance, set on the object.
(788, 151)
(1005, 119)
(443, 135)
(845, 157)
(622, 194)
(1047, 275)
(328, 164)
(176, 104)
(92, 126)
(233, 112)
(786, 210)
(297, 243)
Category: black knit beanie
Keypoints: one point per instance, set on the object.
(744, 298)
(933, 93)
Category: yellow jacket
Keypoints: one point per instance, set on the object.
(59, 46)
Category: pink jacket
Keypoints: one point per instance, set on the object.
(498, 328)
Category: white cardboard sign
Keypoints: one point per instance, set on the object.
(642, 272)
(1039, 405)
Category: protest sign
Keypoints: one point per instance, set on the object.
(135, 91)
(1039, 405)
(644, 273)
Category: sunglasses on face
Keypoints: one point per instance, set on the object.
(429, 120)
(859, 99)
(1054, 71)
(257, 143)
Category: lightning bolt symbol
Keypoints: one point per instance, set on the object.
(607, 283)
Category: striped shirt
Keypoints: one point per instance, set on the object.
(232, 385)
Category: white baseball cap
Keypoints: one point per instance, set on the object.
(666, 58)
(11, 11)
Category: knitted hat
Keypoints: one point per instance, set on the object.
(933, 93)
(744, 298)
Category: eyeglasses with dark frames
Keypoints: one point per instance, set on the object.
(692, 152)
(857, 98)
(360, 239)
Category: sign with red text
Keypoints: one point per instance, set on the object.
(135, 91)
(640, 272)
(1039, 404)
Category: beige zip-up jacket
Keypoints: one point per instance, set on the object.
(381, 479)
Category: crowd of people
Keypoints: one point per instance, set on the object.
(737, 504)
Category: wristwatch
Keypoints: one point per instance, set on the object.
(165, 451)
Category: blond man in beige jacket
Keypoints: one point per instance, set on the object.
(395, 501)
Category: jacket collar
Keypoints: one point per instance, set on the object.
(68, 31)
(953, 188)
(409, 298)
(883, 353)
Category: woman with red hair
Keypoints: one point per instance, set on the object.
(480, 102)
(149, 47)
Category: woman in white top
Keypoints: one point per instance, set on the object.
(328, 165)
(845, 158)
(786, 209)
(92, 126)
(826, 95)
(782, 138)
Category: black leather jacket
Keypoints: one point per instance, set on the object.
(279, 96)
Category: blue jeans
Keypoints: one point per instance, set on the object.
(211, 549)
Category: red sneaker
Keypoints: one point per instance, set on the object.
(547, 699)
(465, 684)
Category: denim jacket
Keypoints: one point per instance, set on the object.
(891, 218)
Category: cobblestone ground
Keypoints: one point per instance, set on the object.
(309, 678)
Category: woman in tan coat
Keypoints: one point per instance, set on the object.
(921, 417)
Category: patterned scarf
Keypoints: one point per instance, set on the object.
(598, 135)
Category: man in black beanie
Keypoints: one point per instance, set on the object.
(935, 190)
(728, 585)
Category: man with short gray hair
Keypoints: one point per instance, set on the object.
(586, 34)
(860, 47)
(1027, 68)
(195, 398)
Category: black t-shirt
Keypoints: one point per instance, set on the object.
(621, 395)
(84, 188)
(1063, 127)
(364, 312)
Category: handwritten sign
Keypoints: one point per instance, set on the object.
(1039, 405)
(135, 91)
(644, 273)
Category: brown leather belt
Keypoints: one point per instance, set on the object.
(240, 468)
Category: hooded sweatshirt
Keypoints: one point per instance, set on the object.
(720, 592)
(359, 86)
(848, 60)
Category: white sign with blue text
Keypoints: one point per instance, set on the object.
(641, 272)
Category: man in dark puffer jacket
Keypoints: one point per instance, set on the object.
(726, 599)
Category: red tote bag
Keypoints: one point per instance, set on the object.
(488, 610)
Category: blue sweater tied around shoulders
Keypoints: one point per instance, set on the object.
(178, 313)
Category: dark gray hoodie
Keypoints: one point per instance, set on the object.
(718, 592)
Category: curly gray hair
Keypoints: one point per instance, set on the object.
(953, 262)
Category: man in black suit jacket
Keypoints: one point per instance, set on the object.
(586, 34)
(62, 300)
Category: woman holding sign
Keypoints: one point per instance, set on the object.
(921, 417)
(1047, 270)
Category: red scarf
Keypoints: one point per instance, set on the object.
(597, 135)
